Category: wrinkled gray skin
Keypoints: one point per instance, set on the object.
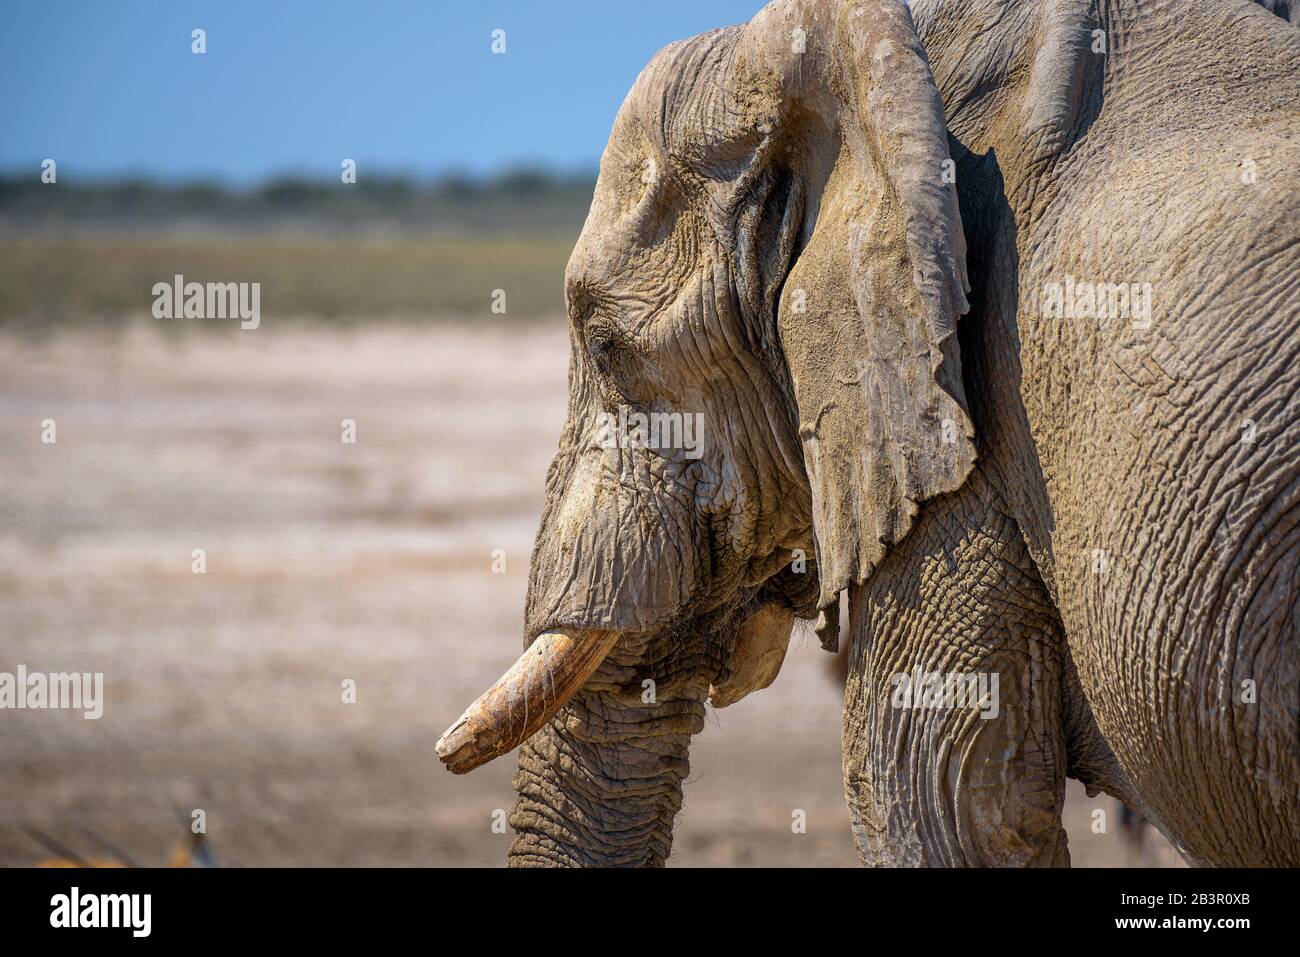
(1071, 504)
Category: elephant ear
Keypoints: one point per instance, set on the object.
(868, 312)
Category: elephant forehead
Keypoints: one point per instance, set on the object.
(704, 105)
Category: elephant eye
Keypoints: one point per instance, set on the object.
(613, 359)
(602, 347)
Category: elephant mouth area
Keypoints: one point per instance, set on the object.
(728, 653)
(723, 657)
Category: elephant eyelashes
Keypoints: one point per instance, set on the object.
(613, 361)
(600, 349)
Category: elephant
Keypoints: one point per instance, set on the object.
(1065, 529)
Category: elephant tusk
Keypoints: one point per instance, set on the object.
(546, 676)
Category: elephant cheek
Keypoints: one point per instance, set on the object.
(760, 651)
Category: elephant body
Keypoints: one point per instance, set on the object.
(1084, 497)
(1143, 467)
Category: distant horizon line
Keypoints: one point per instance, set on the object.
(12, 173)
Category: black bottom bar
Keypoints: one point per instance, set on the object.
(333, 906)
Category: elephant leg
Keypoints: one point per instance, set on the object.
(933, 779)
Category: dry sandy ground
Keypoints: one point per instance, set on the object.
(325, 562)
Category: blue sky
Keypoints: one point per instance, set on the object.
(110, 87)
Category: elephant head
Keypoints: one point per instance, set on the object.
(762, 310)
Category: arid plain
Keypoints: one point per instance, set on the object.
(327, 561)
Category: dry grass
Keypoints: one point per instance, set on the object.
(101, 277)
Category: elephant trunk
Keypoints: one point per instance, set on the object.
(601, 784)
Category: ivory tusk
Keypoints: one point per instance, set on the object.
(546, 676)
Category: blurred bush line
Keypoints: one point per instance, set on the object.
(521, 199)
(384, 247)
